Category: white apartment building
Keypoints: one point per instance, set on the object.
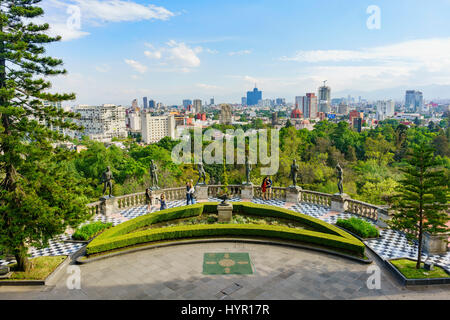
(153, 129)
(134, 121)
(385, 109)
(102, 123)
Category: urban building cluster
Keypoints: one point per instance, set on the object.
(151, 121)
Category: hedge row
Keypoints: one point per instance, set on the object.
(123, 236)
(180, 232)
(359, 227)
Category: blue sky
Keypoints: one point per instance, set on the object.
(170, 50)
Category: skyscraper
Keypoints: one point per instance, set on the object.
(145, 103)
(244, 101)
(134, 104)
(211, 102)
(253, 97)
(414, 100)
(197, 106)
(152, 104)
(309, 106)
(324, 99)
(187, 103)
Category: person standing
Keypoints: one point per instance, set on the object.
(162, 200)
(148, 199)
(188, 193)
(264, 188)
(268, 188)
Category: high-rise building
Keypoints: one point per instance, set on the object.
(280, 101)
(414, 100)
(310, 106)
(226, 116)
(343, 108)
(385, 109)
(187, 103)
(253, 97)
(211, 102)
(153, 129)
(324, 99)
(102, 123)
(198, 106)
(152, 104)
(145, 103)
(299, 102)
(244, 101)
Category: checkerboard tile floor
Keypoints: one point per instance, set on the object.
(312, 210)
(394, 244)
(276, 203)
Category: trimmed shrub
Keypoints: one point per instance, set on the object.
(359, 227)
(180, 232)
(123, 235)
(89, 231)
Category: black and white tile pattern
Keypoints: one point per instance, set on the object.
(276, 203)
(312, 210)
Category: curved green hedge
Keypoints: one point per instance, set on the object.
(122, 235)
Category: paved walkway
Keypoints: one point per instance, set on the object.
(176, 273)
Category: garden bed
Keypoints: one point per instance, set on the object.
(405, 270)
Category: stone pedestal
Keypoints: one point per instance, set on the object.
(339, 202)
(109, 206)
(225, 212)
(293, 194)
(201, 192)
(247, 191)
(435, 244)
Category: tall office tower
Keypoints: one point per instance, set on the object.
(226, 115)
(280, 101)
(145, 103)
(244, 101)
(211, 102)
(152, 104)
(187, 103)
(198, 106)
(414, 100)
(153, 129)
(324, 99)
(253, 97)
(134, 104)
(310, 106)
(274, 118)
(343, 108)
(299, 102)
(102, 123)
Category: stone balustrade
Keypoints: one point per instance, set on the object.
(278, 193)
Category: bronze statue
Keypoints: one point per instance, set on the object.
(154, 175)
(248, 169)
(294, 172)
(201, 174)
(107, 178)
(340, 172)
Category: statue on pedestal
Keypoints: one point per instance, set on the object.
(340, 173)
(201, 174)
(248, 170)
(154, 175)
(107, 178)
(294, 172)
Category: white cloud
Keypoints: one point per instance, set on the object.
(96, 13)
(177, 55)
(103, 68)
(240, 53)
(139, 67)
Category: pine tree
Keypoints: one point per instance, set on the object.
(422, 200)
(39, 196)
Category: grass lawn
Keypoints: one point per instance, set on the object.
(408, 269)
(41, 268)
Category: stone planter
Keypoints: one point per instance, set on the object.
(435, 244)
(201, 192)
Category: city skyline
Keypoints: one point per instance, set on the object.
(170, 51)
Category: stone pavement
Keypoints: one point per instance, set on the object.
(175, 273)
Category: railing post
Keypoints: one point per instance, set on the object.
(293, 194)
(109, 206)
(339, 202)
(247, 192)
(201, 192)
